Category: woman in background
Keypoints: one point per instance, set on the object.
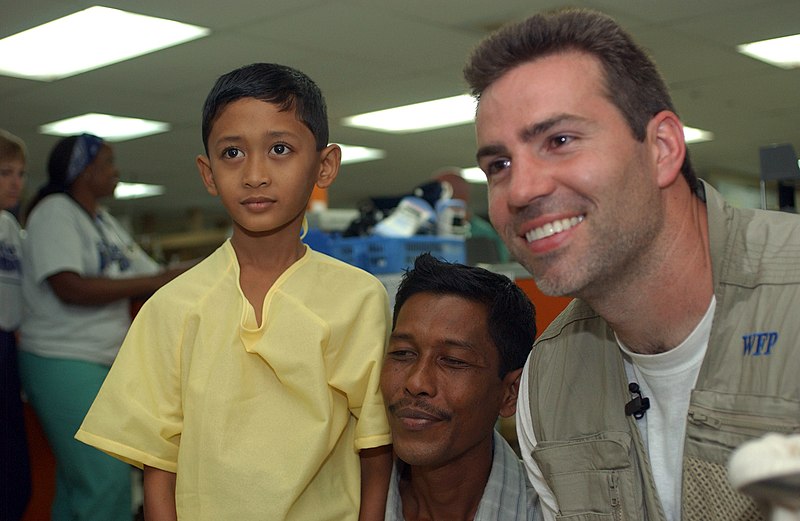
(80, 270)
(15, 476)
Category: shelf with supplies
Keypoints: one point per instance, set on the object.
(183, 246)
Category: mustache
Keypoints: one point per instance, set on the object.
(412, 403)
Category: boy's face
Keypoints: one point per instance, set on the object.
(263, 165)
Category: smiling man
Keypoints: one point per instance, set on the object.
(683, 341)
(460, 338)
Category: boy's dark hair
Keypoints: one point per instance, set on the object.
(272, 83)
(633, 83)
(510, 314)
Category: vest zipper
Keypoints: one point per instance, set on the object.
(742, 423)
(616, 497)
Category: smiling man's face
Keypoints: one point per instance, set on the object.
(574, 195)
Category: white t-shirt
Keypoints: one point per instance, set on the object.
(61, 236)
(10, 272)
(667, 379)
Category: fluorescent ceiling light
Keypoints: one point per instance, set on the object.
(110, 128)
(696, 135)
(474, 175)
(358, 154)
(136, 190)
(446, 112)
(89, 39)
(782, 52)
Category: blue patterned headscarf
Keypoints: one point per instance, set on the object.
(84, 151)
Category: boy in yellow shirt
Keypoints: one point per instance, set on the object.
(248, 388)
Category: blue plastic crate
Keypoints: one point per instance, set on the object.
(395, 254)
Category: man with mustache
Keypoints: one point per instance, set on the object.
(459, 340)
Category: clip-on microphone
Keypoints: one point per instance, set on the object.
(638, 405)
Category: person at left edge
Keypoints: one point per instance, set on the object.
(80, 269)
(15, 480)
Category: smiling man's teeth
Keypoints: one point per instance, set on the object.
(552, 228)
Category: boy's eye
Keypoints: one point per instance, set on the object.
(231, 153)
(280, 149)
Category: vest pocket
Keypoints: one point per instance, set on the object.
(592, 478)
(717, 424)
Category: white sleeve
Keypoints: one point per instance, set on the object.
(527, 442)
(10, 272)
(56, 241)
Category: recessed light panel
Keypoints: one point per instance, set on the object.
(428, 115)
(136, 190)
(474, 175)
(357, 154)
(696, 135)
(89, 39)
(110, 128)
(782, 52)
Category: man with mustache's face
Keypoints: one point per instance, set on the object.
(445, 381)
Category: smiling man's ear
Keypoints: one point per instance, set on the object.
(510, 392)
(204, 167)
(670, 147)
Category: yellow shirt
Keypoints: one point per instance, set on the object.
(258, 422)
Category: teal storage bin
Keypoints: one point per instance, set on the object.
(395, 254)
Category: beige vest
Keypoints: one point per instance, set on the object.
(592, 455)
